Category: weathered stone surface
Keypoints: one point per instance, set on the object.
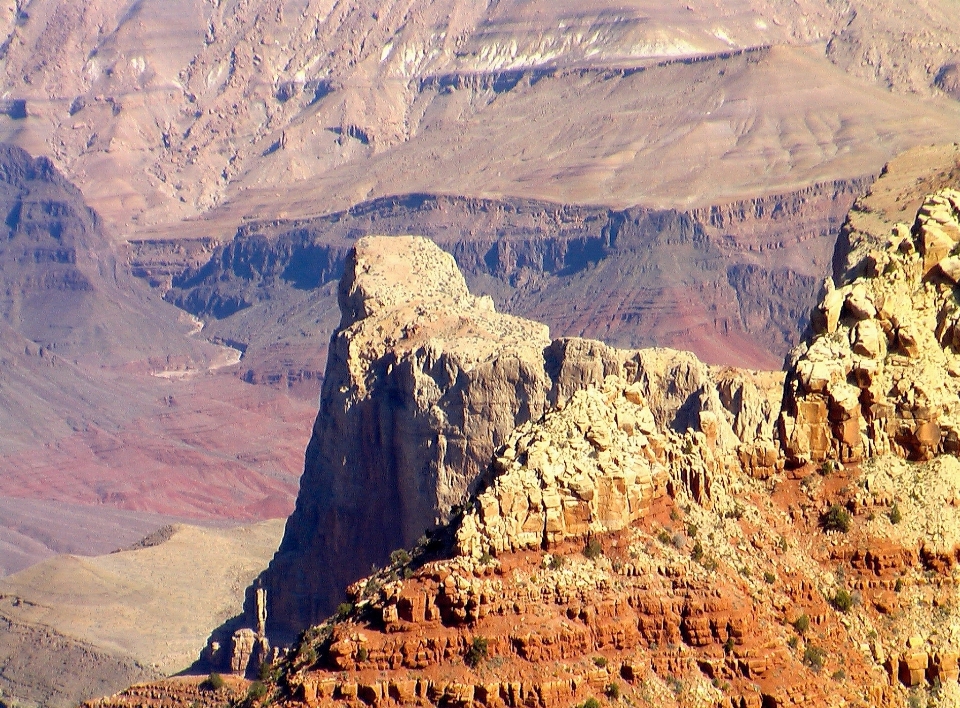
(875, 382)
(424, 381)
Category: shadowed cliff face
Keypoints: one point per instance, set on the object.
(424, 381)
(733, 283)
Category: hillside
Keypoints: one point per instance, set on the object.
(650, 530)
(80, 627)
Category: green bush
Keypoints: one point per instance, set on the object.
(593, 549)
(344, 609)
(814, 657)
(556, 562)
(801, 624)
(477, 652)
(591, 703)
(613, 691)
(697, 553)
(213, 682)
(895, 515)
(362, 654)
(399, 557)
(769, 578)
(486, 558)
(836, 519)
(600, 661)
(257, 690)
(842, 600)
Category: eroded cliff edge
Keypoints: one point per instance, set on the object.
(424, 382)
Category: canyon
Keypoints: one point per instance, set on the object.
(575, 522)
(614, 182)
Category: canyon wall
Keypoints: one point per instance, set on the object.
(424, 382)
(733, 283)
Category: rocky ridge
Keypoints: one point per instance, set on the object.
(436, 379)
(873, 379)
(653, 537)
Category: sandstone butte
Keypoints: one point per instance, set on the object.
(586, 525)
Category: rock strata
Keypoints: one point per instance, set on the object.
(424, 381)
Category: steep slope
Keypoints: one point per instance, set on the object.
(161, 119)
(434, 380)
(107, 396)
(81, 627)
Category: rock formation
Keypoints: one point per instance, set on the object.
(881, 374)
(424, 382)
(642, 540)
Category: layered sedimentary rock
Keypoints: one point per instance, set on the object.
(423, 383)
(881, 374)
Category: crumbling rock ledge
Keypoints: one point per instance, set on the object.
(424, 382)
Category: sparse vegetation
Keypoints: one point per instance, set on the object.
(793, 642)
(213, 682)
(814, 657)
(728, 645)
(895, 515)
(769, 578)
(591, 703)
(477, 653)
(344, 609)
(692, 530)
(613, 691)
(556, 562)
(600, 662)
(663, 536)
(837, 518)
(362, 654)
(828, 467)
(257, 690)
(842, 600)
(801, 624)
(486, 558)
(399, 557)
(593, 549)
(736, 513)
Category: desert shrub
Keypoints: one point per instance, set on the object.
(895, 515)
(678, 541)
(769, 578)
(697, 553)
(898, 586)
(827, 467)
(486, 558)
(814, 657)
(400, 557)
(613, 691)
(801, 624)
(344, 609)
(477, 652)
(556, 562)
(600, 661)
(591, 703)
(735, 513)
(836, 519)
(362, 654)
(663, 536)
(257, 690)
(692, 530)
(842, 600)
(213, 682)
(593, 549)
(729, 645)
(793, 642)
(263, 673)
(839, 675)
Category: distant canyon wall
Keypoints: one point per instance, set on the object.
(734, 283)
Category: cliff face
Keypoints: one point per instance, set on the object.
(424, 381)
(733, 283)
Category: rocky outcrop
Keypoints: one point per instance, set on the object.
(881, 373)
(424, 382)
